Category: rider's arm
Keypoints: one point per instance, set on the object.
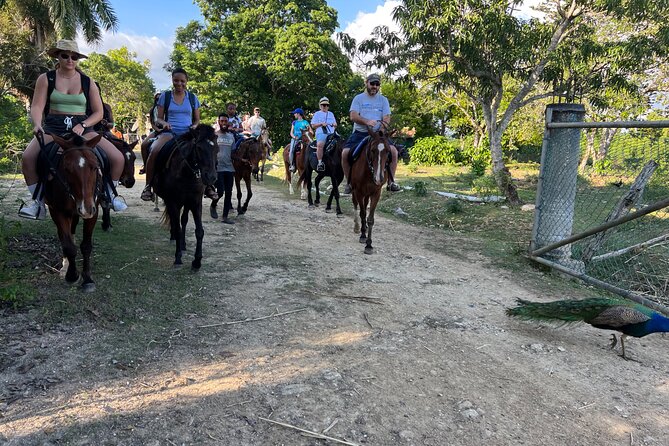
(355, 117)
(39, 101)
(292, 131)
(196, 117)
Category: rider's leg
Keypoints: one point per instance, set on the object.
(157, 145)
(145, 147)
(291, 154)
(116, 162)
(320, 144)
(345, 165)
(34, 209)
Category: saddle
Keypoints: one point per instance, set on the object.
(354, 154)
(165, 155)
(330, 145)
(49, 159)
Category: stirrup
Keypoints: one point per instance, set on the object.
(147, 194)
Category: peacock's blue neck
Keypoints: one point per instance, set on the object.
(657, 324)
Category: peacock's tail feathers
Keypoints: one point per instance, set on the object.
(564, 311)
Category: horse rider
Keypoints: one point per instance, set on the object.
(256, 125)
(183, 113)
(151, 137)
(298, 126)
(368, 109)
(61, 105)
(324, 122)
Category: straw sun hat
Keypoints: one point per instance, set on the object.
(65, 45)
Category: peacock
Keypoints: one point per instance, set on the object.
(631, 319)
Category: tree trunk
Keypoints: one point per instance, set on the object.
(589, 149)
(605, 143)
(499, 169)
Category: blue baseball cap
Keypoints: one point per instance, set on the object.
(298, 110)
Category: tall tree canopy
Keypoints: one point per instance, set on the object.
(125, 84)
(276, 54)
(482, 49)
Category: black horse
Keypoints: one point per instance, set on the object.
(332, 160)
(127, 176)
(180, 178)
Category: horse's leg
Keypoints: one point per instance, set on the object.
(155, 202)
(184, 223)
(106, 219)
(64, 225)
(334, 194)
(262, 170)
(319, 177)
(307, 185)
(249, 194)
(356, 215)
(175, 226)
(370, 221)
(86, 246)
(199, 236)
(363, 220)
(239, 194)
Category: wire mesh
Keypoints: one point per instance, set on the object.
(619, 171)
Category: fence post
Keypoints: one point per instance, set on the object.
(556, 191)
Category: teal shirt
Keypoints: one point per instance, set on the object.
(299, 126)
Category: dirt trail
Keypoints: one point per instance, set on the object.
(434, 362)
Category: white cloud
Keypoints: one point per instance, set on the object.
(525, 10)
(365, 22)
(151, 48)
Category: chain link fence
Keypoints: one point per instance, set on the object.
(602, 210)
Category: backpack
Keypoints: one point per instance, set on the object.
(168, 99)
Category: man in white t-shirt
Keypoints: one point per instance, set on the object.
(368, 109)
(257, 124)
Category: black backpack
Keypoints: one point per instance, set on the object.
(168, 99)
(86, 87)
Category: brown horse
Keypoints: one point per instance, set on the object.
(245, 160)
(368, 176)
(72, 191)
(180, 182)
(300, 145)
(267, 145)
(127, 176)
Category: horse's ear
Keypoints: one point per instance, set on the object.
(62, 142)
(93, 142)
(189, 135)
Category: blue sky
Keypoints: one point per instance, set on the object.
(148, 29)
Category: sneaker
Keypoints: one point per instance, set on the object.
(269, 157)
(321, 166)
(33, 209)
(393, 187)
(292, 169)
(212, 212)
(118, 204)
(147, 194)
(347, 189)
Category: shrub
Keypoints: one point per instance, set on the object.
(485, 185)
(436, 150)
(453, 206)
(420, 188)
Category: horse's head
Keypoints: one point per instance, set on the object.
(128, 175)
(199, 150)
(80, 173)
(378, 151)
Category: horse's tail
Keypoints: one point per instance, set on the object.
(165, 219)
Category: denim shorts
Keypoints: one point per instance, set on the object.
(60, 124)
(355, 138)
(321, 137)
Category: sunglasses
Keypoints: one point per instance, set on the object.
(375, 84)
(74, 57)
(325, 105)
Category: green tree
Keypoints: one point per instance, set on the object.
(277, 55)
(480, 48)
(125, 84)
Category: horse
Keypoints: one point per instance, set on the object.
(127, 176)
(245, 161)
(267, 144)
(332, 160)
(368, 176)
(180, 182)
(303, 143)
(72, 191)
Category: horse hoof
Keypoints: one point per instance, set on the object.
(311, 206)
(195, 266)
(71, 279)
(369, 250)
(328, 211)
(88, 287)
(177, 265)
(340, 215)
(156, 210)
(362, 239)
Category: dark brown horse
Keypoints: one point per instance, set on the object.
(300, 146)
(245, 159)
(127, 176)
(368, 176)
(180, 182)
(332, 160)
(72, 192)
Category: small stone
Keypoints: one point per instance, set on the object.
(562, 349)
(536, 348)
(465, 405)
(470, 414)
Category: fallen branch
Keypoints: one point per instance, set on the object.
(311, 433)
(368, 299)
(639, 246)
(131, 263)
(486, 199)
(252, 319)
